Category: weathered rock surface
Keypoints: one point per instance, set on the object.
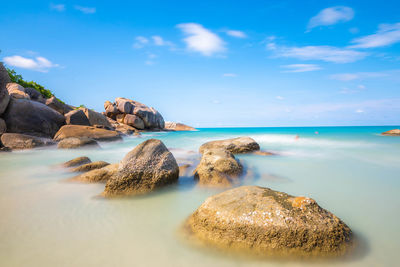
(76, 162)
(134, 121)
(98, 175)
(234, 145)
(147, 167)
(395, 132)
(122, 128)
(111, 110)
(76, 117)
(76, 142)
(53, 103)
(97, 134)
(96, 118)
(17, 91)
(4, 96)
(176, 126)
(31, 117)
(35, 95)
(90, 166)
(269, 223)
(23, 141)
(3, 126)
(218, 168)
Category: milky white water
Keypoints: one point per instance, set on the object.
(44, 221)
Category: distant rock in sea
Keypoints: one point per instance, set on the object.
(395, 132)
(176, 126)
(235, 145)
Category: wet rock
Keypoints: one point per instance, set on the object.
(58, 106)
(23, 141)
(395, 132)
(76, 142)
(176, 126)
(234, 145)
(31, 117)
(90, 166)
(147, 167)
(17, 91)
(4, 96)
(98, 175)
(263, 153)
(86, 131)
(76, 117)
(258, 220)
(184, 170)
(218, 168)
(76, 162)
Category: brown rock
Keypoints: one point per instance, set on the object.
(218, 168)
(98, 175)
(90, 166)
(35, 95)
(147, 167)
(17, 91)
(23, 141)
(263, 153)
(76, 142)
(61, 108)
(111, 110)
(76, 117)
(395, 132)
(3, 126)
(96, 118)
(4, 96)
(258, 220)
(76, 162)
(86, 131)
(134, 121)
(121, 128)
(176, 126)
(234, 145)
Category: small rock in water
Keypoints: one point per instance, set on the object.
(234, 145)
(90, 166)
(23, 141)
(76, 162)
(394, 132)
(75, 142)
(98, 175)
(265, 222)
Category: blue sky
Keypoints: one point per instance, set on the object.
(215, 63)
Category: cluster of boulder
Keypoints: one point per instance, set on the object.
(394, 132)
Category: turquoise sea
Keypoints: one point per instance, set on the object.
(353, 172)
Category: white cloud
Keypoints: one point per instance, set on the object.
(359, 111)
(331, 16)
(237, 34)
(280, 97)
(159, 41)
(301, 67)
(57, 7)
(386, 35)
(86, 10)
(140, 42)
(200, 39)
(229, 75)
(38, 64)
(357, 76)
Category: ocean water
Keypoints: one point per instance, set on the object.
(353, 172)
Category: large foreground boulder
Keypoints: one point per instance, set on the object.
(58, 106)
(76, 142)
(395, 132)
(218, 168)
(4, 96)
(86, 131)
(76, 117)
(147, 167)
(269, 223)
(176, 126)
(31, 117)
(23, 141)
(235, 145)
(97, 175)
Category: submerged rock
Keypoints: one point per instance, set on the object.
(218, 168)
(90, 166)
(23, 141)
(147, 167)
(76, 162)
(176, 126)
(235, 145)
(98, 175)
(269, 223)
(75, 142)
(95, 133)
(395, 132)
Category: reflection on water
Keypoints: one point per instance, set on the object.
(351, 171)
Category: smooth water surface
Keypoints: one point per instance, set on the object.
(353, 172)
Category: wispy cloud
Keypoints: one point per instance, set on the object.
(38, 63)
(280, 97)
(237, 34)
(300, 67)
(159, 41)
(86, 10)
(202, 40)
(57, 7)
(331, 16)
(229, 75)
(386, 35)
(358, 76)
(140, 42)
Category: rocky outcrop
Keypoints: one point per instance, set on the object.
(98, 175)
(234, 145)
(122, 128)
(151, 118)
(258, 220)
(17, 91)
(61, 108)
(79, 131)
(23, 141)
(35, 95)
(395, 132)
(96, 118)
(76, 142)
(147, 167)
(76, 117)
(3, 126)
(31, 117)
(4, 96)
(176, 126)
(218, 168)
(90, 166)
(76, 162)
